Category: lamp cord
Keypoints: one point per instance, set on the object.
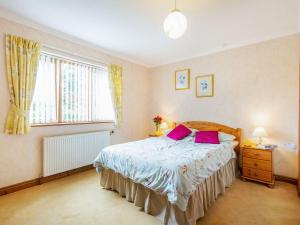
(175, 4)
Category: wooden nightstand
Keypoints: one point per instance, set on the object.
(155, 135)
(258, 165)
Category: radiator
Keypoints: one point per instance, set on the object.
(63, 153)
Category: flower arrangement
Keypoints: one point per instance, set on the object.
(157, 121)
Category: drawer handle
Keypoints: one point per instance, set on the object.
(255, 174)
(255, 164)
(256, 154)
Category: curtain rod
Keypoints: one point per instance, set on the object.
(95, 60)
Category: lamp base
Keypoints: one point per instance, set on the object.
(260, 141)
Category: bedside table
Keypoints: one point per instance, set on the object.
(257, 165)
(155, 135)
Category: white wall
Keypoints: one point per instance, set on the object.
(254, 85)
(20, 156)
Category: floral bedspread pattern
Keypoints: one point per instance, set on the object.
(170, 167)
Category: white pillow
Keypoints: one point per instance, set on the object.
(193, 134)
(165, 132)
(226, 137)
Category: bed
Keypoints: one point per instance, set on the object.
(175, 181)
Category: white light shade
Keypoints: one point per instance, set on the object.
(259, 132)
(163, 126)
(175, 24)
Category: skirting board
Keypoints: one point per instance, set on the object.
(65, 174)
(37, 181)
(19, 186)
(286, 179)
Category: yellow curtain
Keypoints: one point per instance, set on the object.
(21, 61)
(116, 88)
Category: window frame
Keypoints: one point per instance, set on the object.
(81, 61)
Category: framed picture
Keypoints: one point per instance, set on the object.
(182, 79)
(205, 86)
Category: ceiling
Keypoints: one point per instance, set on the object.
(133, 29)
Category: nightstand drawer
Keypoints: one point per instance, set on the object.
(257, 164)
(257, 154)
(257, 174)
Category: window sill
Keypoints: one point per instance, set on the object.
(64, 124)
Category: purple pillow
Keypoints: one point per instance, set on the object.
(179, 132)
(210, 137)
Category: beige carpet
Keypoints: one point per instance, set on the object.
(78, 200)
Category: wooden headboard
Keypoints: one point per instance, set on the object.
(203, 125)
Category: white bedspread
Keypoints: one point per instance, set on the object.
(171, 167)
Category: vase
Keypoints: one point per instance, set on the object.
(157, 130)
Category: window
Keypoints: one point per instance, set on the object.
(69, 91)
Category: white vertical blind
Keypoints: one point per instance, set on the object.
(69, 91)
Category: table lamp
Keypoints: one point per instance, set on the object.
(163, 126)
(259, 132)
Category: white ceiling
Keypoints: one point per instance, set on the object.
(133, 29)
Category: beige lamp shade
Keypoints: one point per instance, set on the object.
(259, 132)
(163, 126)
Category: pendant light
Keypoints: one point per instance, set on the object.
(175, 24)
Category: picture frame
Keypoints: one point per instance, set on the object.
(205, 86)
(182, 79)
